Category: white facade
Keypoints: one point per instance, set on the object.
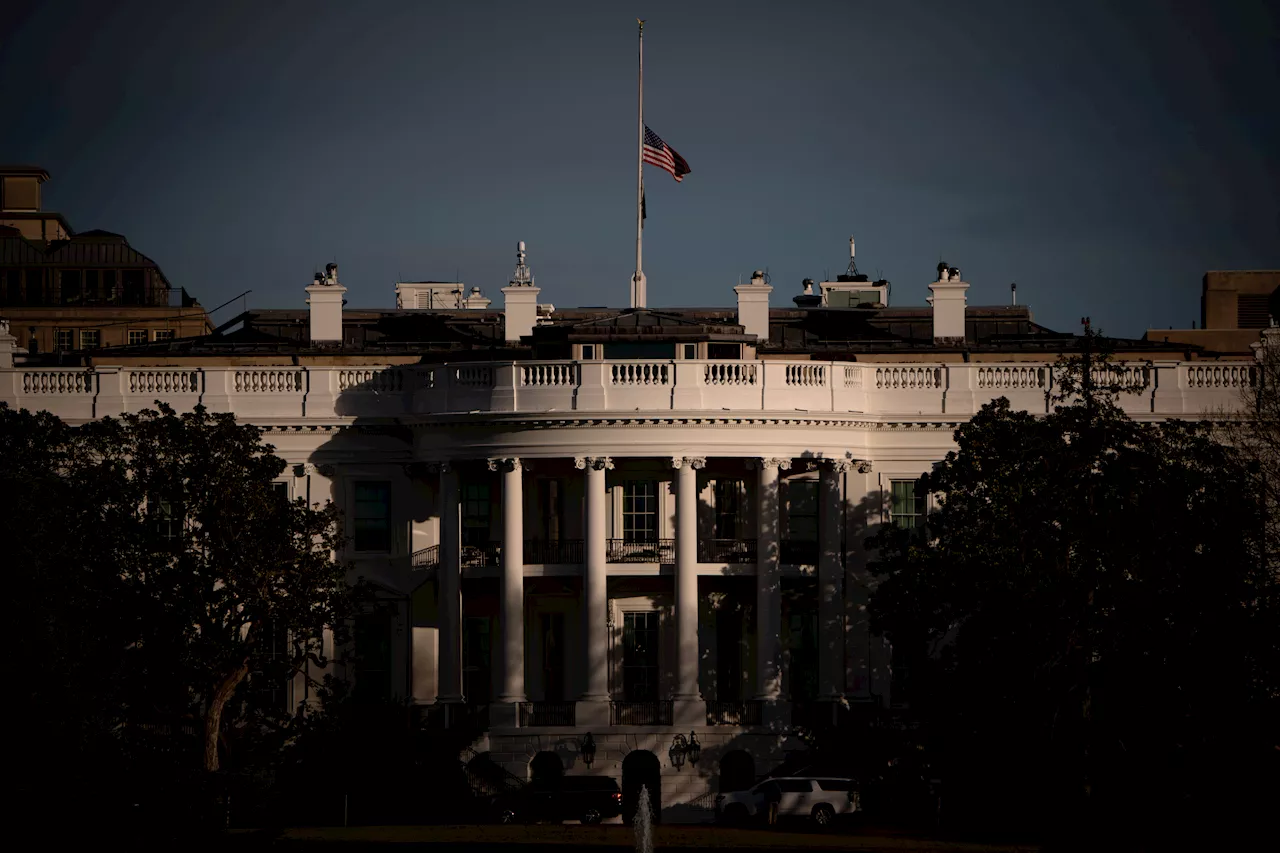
(709, 513)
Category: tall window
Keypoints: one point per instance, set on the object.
(167, 516)
(552, 501)
(801, 499)
(553, 686)
(477, 505)
(64, 339)
(640, 656)
(69, 287)
(373, 517)
(90, 338)
(477, 658)
(373, 657)
(640, 511)
(802, 640)
(907, 504)
(731, 501)
(268, 687)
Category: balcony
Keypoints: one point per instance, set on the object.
(727, 551)
(558, 551)
(658, 713)
(547, 713)
(735, 713)
(425, 559)
(798, 552)
(654, 551)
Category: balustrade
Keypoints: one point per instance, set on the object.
(640, 373)
(657, 713)
(547, 713)
(730, 373)
(548, 375)
(727, 551)
(267, 381)
(58, 382)
(556, 551)
(474, 376)
(909, 378)
(164, 382)
(1012, 378)
(1218, 376)
(655, 551)
(807, 374)
(734, 713)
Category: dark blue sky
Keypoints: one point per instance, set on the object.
(1102, 155)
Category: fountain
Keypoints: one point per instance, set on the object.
(644, 823)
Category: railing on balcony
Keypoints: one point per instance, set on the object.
(727, 551)
(798, 552)
(454, 716)
(640, 713)
(555, 551)
(425, 559)
(547, 713)
(654, 551)
(481, 556)
(735, 713)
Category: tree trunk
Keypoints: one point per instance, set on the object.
(213, 719)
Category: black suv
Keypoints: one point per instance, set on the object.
(589, 799)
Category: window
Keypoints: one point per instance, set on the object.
(801, 500)
(640, 656)
(137, 336)
(373, 657)
(11, 294)
(164, 334)
(91, 293)
(794, 786)
(477, 505)
(70, 287)
(731, 499)
(167, 516)
(688, 350)
(724, 351)
(588, 352)
(640, 511)
(281, 491)
(268, 687)
(373, 517)
(551, 499)
(906, 508)
(476, 658)
(110, 289)
(802, 641)
(837, 785)
(90, 338)
(132, 287)
(64, 339)
(553, 682)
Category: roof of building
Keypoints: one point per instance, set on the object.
(96, 248)
(23, 171)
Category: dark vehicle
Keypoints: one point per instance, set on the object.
(589, 799)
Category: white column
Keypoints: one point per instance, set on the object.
(686, 598)
(512, 580)
(863, 520)
(830, 580)
(768, 581)
(449, 688)
(595, 598)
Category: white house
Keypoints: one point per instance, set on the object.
(631, 523)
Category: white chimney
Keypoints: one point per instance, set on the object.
(753, 306)
(520, 300)
(324, 296)
(948, 301)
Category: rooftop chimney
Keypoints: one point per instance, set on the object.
(520, 300)
(948, 301)
(753, 306)
(324, 298)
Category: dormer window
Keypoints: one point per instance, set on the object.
(689, 351)
(590, 352)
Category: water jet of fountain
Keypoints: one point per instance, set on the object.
(643, 824)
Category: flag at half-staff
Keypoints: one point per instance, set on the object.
(662, 155)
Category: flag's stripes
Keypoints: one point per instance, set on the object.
(662, 155)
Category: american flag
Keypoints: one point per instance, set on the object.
(663, 155)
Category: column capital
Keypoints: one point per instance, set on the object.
(839, 466)
(758, 463)
(510, 463)
(438, 467)
(866, 466)
(697, 463)
(597, 463)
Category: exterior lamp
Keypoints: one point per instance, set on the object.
(587, 749)
(695, 748)
(679, 746)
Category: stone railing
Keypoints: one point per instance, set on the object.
(784, 387)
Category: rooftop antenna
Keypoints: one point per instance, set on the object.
(853, 267)
(1013, 288)
(523, 276)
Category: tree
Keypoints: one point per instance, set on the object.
(175, 519)
(1085, 608)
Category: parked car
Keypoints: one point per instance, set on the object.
(819, 798)
(589, 799)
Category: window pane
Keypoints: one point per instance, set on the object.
(801, 498)
(137, 336)
(640, 511)
(89, 339)
(164, 334)
(372, 517)
(640, 656)
(906, 508)
(476, 509)
(794, 786)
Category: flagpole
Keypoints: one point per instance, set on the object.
(638, 295)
